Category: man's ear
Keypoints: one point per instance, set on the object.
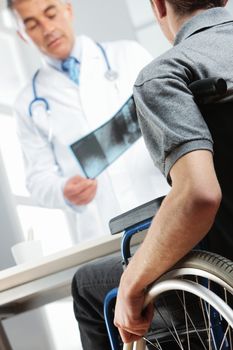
(159, 7)
(69, 10)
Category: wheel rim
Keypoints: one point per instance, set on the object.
(194, 334)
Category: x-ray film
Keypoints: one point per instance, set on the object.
(97, 150)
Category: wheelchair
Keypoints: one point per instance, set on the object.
(193, 301)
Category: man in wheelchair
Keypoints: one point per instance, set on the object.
(191, 142)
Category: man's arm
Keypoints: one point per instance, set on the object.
(185, 217)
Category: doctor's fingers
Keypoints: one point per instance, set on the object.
(77, 184)
(85, 196)
(84, 185)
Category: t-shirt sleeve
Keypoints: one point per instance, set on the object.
(171, 122)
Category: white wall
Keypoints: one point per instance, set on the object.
(103, 20)
(9, 222)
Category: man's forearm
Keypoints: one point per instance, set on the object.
(178, 226)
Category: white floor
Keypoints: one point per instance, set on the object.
(48, 328)
(63, 325)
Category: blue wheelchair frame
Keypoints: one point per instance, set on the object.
(110, 298)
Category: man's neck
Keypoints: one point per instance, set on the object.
(177, 22)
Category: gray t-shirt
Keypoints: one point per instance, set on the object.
(171, 122)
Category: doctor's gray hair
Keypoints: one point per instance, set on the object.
(10, 3)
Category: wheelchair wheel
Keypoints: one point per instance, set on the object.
(193, 306)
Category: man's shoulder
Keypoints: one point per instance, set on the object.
(44, 70)
(113, 44)
(127, 50)
(25, 95)
(166, 64)
(123, 45)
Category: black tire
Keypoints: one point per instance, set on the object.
(209, 262)
(197, 261)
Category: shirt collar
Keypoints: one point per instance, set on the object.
(76, 52)
(208, 18)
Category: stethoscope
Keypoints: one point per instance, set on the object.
(110, 75)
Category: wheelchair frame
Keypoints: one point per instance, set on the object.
(167, 282)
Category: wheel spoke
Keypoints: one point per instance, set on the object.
(194, 328)
(186, 319)
(187, 327)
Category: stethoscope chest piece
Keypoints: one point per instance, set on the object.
(111, 75)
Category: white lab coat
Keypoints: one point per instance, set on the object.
(75, 111)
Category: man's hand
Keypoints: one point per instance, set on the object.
(79, 190)
(130, 318)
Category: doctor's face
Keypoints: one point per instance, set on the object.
(49, 25)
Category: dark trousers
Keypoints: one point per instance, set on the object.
(90, 285)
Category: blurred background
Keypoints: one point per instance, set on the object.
(52, 327)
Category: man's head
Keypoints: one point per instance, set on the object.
(49, 24)
(171, 14)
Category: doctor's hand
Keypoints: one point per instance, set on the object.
(79, 190)
(131, 319)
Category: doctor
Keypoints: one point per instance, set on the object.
(81, 85)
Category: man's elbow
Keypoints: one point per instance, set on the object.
(207, 202)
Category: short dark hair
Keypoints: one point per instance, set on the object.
(184, 7)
